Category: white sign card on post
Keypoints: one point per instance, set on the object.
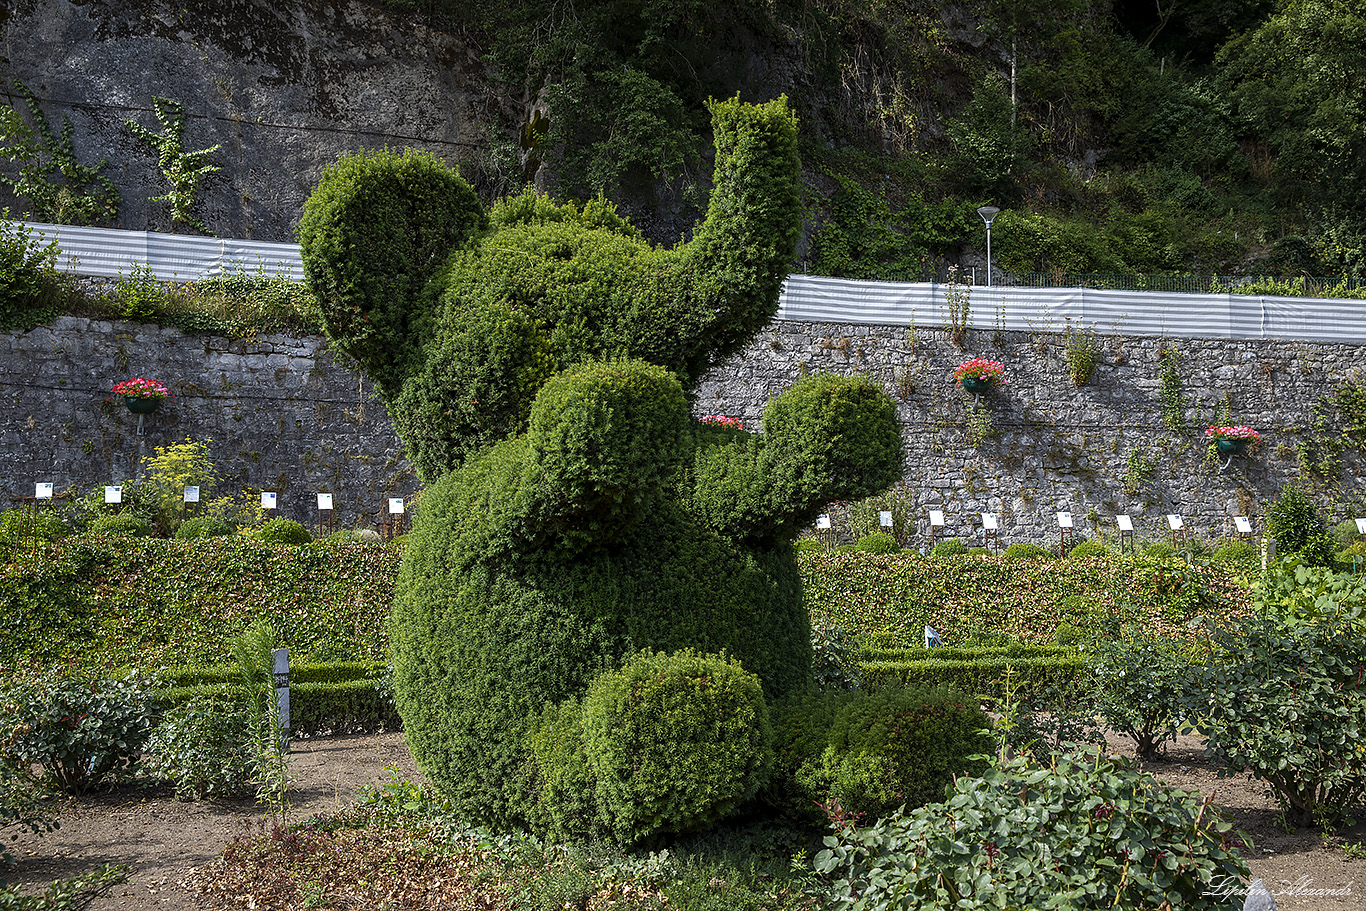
(884, 518)
(990, 522)
(191, 494)
(268, 499)
(42, 492)
(395, 506)
(1125, 523)
(1064, 520)
(1175, 522)
(1243, 524)
(324, 501)
(937, 517)
(822, 521)
(113, 494)
(1361, 526)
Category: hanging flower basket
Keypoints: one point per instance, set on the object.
(978, 375)
(141, 395)
(1230, 441)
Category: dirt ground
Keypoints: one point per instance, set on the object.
(164, 839)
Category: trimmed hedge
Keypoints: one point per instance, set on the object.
(894, 597)
(353, 706)
(982, 677)
(147, 603)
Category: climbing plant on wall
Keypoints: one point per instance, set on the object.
(183, 169)
(60, 190)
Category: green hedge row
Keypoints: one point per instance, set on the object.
(337, 707)
(888, 599)
(982, 677)
(974, 653)
(143, 603)
(336, 672)
(148, 603)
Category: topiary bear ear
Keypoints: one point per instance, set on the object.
(374, 232)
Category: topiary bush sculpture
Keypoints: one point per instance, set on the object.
(537, 362)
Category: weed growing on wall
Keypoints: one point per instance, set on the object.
(1171, 396)
(1082, 355)
(185, 170)
(958, 300)
(1139, 469)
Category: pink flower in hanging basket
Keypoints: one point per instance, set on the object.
(720, 420)
(142, 388)
(980, 368)
(1233, 433)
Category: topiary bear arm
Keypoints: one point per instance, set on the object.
(708, 298)
(827, 438)
(374, 232)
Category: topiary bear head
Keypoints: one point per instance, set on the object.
(536, 362)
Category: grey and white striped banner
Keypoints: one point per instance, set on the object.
(806, 298)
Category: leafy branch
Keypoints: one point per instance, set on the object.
(183, 169)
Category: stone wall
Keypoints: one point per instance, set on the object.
(1041, 445)
(281, 413)
(284, 416)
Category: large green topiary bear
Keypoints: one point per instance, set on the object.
(535, 363)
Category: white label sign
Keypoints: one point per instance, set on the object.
(113, 494)
(1244, 524)
(936, 517)
(191, 494)
(324, 501)
(989, 521)
(1064, 520)
(822, 521)
(1175, 522)
(395, 506)
(1125, 523)
(43, 492)
(1361, 526)
(268, 499)
(884, 518)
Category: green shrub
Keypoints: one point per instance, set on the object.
(201, 747)
(1157, 550)
(1024, 550)
(674, 742)
(21, 524)
(1282, 697)
(121, 523)
(1345, 533)
(80, 730)
(1088, 549)
(879, 542)
(201, 527)
(283, 531)
(1141, 679)
(1294, 523)
(30, 287)
(953, 547)
(871, 752)
(1237, 552)
(834, 659)
(1121, 837)
(809, 546)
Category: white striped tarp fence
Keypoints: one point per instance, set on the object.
(806, 298)
(110, 253)
(813, 298)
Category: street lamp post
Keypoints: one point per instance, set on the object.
(988, 213)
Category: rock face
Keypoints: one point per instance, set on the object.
(283, 88)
